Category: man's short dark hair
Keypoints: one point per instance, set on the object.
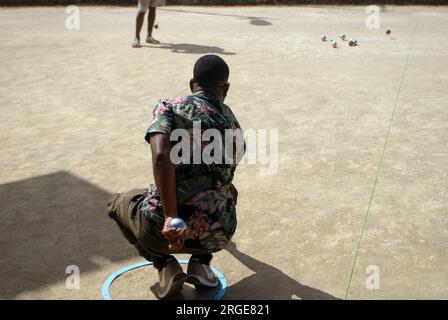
(210, 69)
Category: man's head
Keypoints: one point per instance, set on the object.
(211, 73)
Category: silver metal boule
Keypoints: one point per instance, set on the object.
(353, 42)
(323, 38)
(342, 36)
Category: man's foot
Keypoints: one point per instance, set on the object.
(200, 274)
(171, 278)
(136, 43)
(150, 39)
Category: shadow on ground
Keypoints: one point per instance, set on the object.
(256, 21)
(190, 48)
(52, 221)
(49, 222)
(269, 282)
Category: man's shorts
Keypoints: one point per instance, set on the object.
(144, 234)
(143, 5)
(142, 231)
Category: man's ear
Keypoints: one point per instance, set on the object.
(191, 85)
(225, 88)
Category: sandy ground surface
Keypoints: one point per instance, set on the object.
(363, 154)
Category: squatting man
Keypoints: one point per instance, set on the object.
(197, 189)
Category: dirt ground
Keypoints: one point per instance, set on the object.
(362, 141)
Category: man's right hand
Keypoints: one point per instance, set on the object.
(175, 236)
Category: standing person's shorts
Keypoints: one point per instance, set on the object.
(143, 5)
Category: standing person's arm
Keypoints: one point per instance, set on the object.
(165, 179)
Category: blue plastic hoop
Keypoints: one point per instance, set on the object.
(106, 286)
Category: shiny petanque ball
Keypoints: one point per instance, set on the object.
(177, 223)
(352, 42)
(388, 31)
(342, 36)
(334, 44)
(323, 38)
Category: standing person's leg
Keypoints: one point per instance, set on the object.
(143, 6)
(152, 18)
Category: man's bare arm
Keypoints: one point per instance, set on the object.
(165, 179)
(164, 173)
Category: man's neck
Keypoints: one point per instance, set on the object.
(209, 91)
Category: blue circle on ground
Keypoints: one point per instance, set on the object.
(106, 286)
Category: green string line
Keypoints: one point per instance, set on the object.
(366, 215)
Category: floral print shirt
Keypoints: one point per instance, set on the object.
(205, 194)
